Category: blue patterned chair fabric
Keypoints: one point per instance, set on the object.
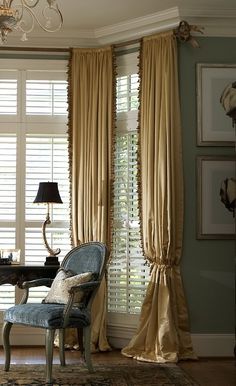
(46, 316)
(88, 257)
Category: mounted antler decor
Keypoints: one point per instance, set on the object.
(183, 33)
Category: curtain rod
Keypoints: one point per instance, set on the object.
(37, 49)
(128, 43)
(43, 49)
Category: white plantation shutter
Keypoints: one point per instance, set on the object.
(33, 149)
(8, 92)
(128, 275)
(35, 252)
(46, 160)
(7, 207)
(7, 178)
(126, 93)
(44, 97)
(7, 241)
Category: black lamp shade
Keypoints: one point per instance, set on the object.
(48, 193)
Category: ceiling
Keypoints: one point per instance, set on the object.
(92, 14)
(98, 22)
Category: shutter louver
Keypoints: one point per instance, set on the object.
(8, 96)
(44, 97)
(126, 93)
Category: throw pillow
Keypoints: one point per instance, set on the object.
(64, 280)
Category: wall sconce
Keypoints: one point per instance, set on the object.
(48, 193)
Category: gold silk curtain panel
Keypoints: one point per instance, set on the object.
(163, 332)
(91, 117)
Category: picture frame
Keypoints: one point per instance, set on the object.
(214, 126)
(214, 220)
(11, 255)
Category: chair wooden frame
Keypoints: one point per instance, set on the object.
(84, 332)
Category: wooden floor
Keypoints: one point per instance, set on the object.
(205, 371)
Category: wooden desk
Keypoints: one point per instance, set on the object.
(17, 274)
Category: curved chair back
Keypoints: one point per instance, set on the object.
(87, 257)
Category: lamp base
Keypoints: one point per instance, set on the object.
(51, 260)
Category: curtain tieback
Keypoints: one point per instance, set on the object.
(161, 266)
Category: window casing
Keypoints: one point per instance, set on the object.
(128, 274)
(33, 148)
(33, 145)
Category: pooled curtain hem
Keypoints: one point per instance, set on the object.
(163, 331)
(152, 357)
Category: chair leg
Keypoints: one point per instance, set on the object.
(87, 350)
(62, 346)
(80, 340)
(6, 344)
(49, 354)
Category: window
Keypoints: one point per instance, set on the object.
(33, 148)
(128, 274)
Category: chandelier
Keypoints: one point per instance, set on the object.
(20, 15)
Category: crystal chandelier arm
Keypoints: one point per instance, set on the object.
(57, 11)
(13, 12)
(24, 3)
(31, 5)
(21, 25)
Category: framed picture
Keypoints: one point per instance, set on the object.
(214, 220)
(12, 255)
(214, 126)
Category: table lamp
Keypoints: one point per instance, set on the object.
(48, 193)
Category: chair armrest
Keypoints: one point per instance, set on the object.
(37, 283)
(89, 286)
(31, 284)
(86, 288)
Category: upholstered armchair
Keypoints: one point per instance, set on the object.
(67, 304)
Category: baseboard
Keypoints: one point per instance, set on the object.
(213, 345)
(205, 345)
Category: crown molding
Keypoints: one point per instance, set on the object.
(213, 22)
(138, 27)
(208, 13)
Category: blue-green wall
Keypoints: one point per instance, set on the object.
(207, 265)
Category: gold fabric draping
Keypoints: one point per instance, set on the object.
(91, 113)
(163, 331)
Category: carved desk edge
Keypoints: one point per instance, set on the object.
(18, 274)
